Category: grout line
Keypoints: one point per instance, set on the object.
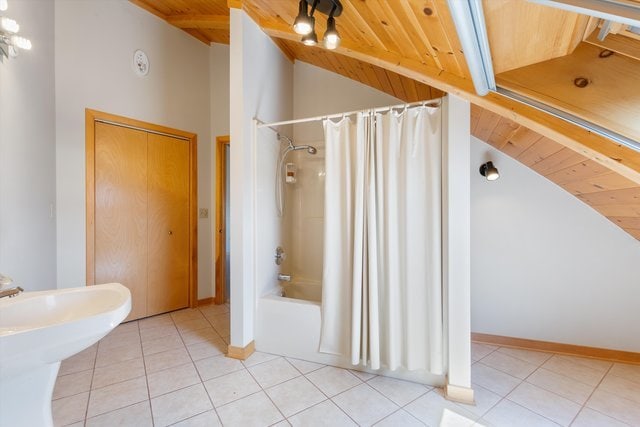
(584, 405)
(265, 392)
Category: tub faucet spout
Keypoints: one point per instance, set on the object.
(284, 277)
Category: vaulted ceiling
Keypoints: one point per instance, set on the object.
(410, 49)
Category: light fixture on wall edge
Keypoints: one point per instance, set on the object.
(489, 171)
(303, 24)
(10, 41)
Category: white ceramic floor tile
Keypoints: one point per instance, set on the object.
(186, 314)
(509, 365)
(214, 310)
(630, 372)
(590, 418)
(566, 366)
(82, 361)
(193, 325)
(252, 411)
(304, 366)
(68, 385)
(110, 356)
(219, 319)
(484, 401)
(595, 364)
(509, 414)
(615, 406)
(622, 387)
(399, 418)
(166, 359)
(172, 379)
(217, 366)
(398, 391)
(273, 372)
(70, 409)
(230, 387)
(295, 395)
(155, 322)
(206, 419)
(363, 376)
(179, 405)
(479, 350)
(159, 345)
(492, 379)
(534, 357)
(325, 414)
(138, 415)
(131, 326)
(258, 357)
(431, 408)
(559, 384)
(364, 405)
(117, 372)
(200, 335)
(545, 403)
(202, 350)
(152, 334)
(119, 340)
(332, 381)
(117, 396)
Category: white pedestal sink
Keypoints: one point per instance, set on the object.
(40, 329)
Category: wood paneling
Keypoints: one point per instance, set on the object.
(611, 99)
(608, 192)
(121, 211)
(386, 81)
(168, 224)
(516, 38)
(222, 143)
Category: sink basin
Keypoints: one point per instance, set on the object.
(40, 329)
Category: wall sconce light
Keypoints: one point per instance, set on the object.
(10, 41)
(489, 171)
(304, 23)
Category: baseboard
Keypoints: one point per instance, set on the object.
(553, 347)
(459, 394)
(241, 353)
(205, 301)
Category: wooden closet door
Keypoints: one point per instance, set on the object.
(121, 211)
(168, 184)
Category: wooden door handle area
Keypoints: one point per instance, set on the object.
(170, 233)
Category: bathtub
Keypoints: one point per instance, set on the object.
(289, 325)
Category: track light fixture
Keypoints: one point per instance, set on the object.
(304, 23)
(489, 171)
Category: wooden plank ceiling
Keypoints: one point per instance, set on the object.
(399, 46)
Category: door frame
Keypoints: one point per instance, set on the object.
(221, 223)
(93, 116)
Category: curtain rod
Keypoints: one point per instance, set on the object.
(262, 124)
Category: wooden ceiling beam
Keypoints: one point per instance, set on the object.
(208, 22)
(602, 150)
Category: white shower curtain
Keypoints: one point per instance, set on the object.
(382, 278)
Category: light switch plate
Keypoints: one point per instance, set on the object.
(204, 213)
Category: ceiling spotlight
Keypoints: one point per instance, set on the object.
(331, 37)
(489, 171)
(310, 39)
(302, 25)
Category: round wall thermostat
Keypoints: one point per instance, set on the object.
(140, 63)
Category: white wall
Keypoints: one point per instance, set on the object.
(261, 86)
(27, 152)
(546, 266)
(95, 41)
(317, 91)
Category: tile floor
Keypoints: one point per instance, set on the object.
(171, 370)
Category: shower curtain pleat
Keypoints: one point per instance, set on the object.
(382, 292)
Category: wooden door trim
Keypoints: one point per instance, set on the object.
(221, 250)
(91, 116)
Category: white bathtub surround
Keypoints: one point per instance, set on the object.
(382, 302)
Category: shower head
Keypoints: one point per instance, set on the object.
(310, 149)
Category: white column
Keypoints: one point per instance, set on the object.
(456, 247)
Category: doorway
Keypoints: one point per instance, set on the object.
(222, 217)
